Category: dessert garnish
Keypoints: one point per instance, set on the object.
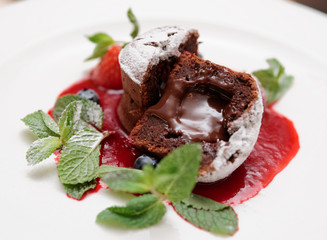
(78, 131)
(173, 179)
(144, 160)
(107, 72)
(103, 41)
(274, 80)
(89, 94)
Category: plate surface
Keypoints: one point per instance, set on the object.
(42, 52)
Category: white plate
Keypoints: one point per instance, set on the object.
(42, 51)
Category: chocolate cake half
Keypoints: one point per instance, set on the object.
(145, 65)
(208, 103)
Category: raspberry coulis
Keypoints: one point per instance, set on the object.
(277, 144)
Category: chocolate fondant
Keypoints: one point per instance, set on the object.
(208, 103)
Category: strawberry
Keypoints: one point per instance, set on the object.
(107, 72)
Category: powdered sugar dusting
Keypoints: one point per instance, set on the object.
(150, 48)
(244, 133)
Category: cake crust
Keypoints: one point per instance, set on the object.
(146, 63)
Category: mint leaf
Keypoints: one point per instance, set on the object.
(140, 212)
(103, 42)
(100, 37)
(125, 179)
(77, 190)
(124, 45)
(148, 172)
(208, 214)
(176, 174)
(41, 149)
(274, 80)
(41, 124)
(91, 112)
(79, 158)
(204, 203)
(69, 120)
(135, 23)
(137, 205)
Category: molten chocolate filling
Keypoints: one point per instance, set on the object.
(195, 106)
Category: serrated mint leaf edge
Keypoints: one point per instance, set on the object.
(92, 155)
(77, 190)
(213, 220)
(152, 216)
(41, 149)
(48, 127)
(204, 203)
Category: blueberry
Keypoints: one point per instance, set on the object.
(144, 160)
(89, 94)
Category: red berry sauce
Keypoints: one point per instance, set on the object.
(116, 149)
(277, 144)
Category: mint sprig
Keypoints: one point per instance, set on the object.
(274, 80)
(104, 41)
(173, 180)
(75, 132)
(174, 177)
